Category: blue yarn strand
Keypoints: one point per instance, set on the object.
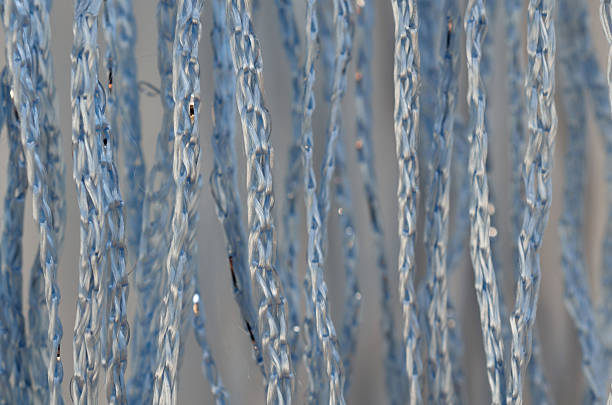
(352, 298)
(123, 108)
(185, 169)
(223, 181)
(255, 119)
(406, 116)
(437, 221)
(480, 227)
(289, 244)
(12, 366)
(22, 56)
(156, 214)
(536, 173)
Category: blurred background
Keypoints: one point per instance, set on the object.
(228, 339)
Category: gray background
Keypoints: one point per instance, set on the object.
(228, 338)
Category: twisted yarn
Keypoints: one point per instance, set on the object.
(156, 213)
(12, 364)
(223, 181)
(320, 332)
(436, 225)
(21, 35)
(123, 104)
(86, 150)
(480, 249)
(352, 298)
(185, 169)
(289, 244)
(406, 115)
(255, 118)
(536, 171)
(118, 326)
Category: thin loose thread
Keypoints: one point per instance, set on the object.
(577, 296)
(22, 65)
(123, 106)
(406, 120)
(13, 367)
(185, 169)
(156, 214)
(255, 119)
(223, 181)
(86, 147)
(536, 173)
(289, 244)
(437, 221)
(480, 227)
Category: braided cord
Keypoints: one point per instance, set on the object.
(22, 65)
(223, 181)
(480, 249)
(289, 244)
(185, 169)
(123, 105)
(536, 171)
(86, 147)
(601, 104)
(115, 251)
(437, 221)
(406, 115)
(12, 338)
(313, 252)
(320, 332)
(255, 118)
(156, 212)
(577, 297)
(352, 299)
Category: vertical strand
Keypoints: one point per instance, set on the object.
(577, 296)
(86, 144)
(185, 170)
(123, 105)
(255, 118)
(223, 181)
(289, 244)
(156, 214)
(352, 298)
(406, 116)
(12, 338)
(436, 225)
(480, 226)
(537, 178)
(312, 348)
(320, 331)
(539, 387)
(21, 34)
(118, 326)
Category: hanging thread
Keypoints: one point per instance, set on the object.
(536, 173)
(255, 118)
